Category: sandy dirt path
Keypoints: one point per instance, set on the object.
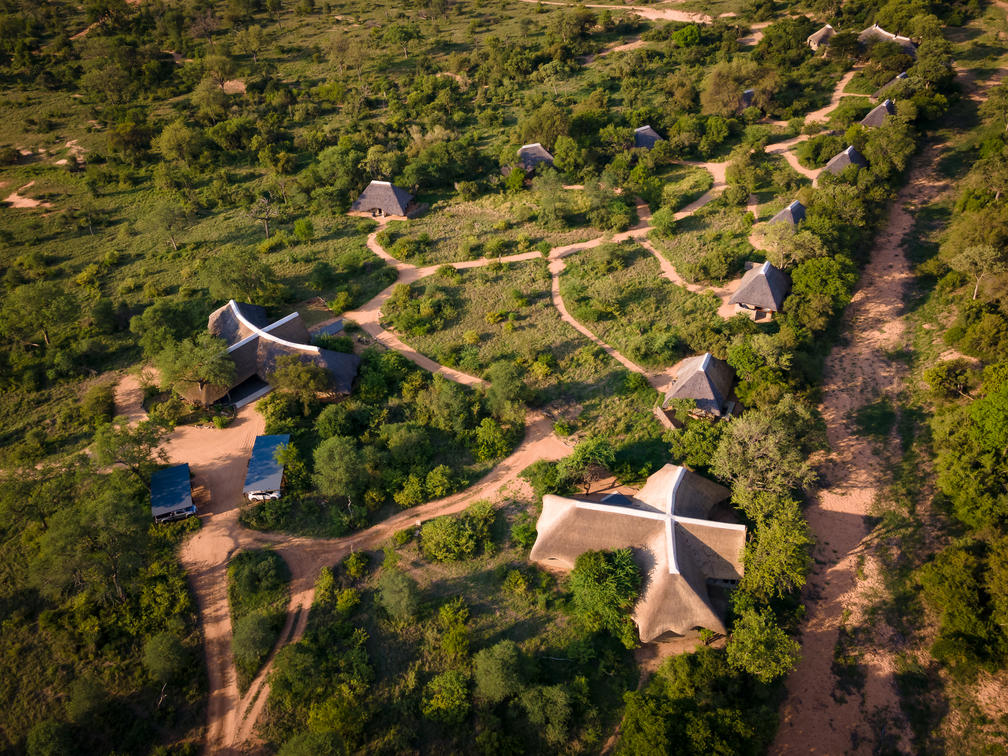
(651, 13)
(17, 200)
(838, 94)
(858, 372)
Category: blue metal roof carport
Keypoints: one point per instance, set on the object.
(171, 494)
(265, 473)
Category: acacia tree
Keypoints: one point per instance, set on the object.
(605, 586)
(303, 379)
(202, 361)
(36, 309)
(136, 447)
(760, 647)
(264, 210)
(979, 261)
(166, 218)
(238, 273)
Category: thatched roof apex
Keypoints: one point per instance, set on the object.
(706, 380)
(876, 33)
(675, 544)
(645, 137)
(820, 37)
(839, 162)
(531, 155)
(383, 196)
(793, 214)
(763, 287)
(878, 115)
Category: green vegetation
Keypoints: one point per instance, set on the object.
(403, 438)
(258, 597)
(619, 292)
(188, 153)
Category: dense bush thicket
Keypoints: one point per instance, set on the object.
(403, 437)
(258, 597)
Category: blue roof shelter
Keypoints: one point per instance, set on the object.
(171, 494)
(265, 473)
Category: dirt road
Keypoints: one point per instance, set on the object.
(816, 718)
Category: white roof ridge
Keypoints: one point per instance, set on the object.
(268, 336)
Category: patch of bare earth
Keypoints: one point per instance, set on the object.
(817, 716)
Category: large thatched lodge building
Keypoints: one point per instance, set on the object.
(255, 345)
(680, 549)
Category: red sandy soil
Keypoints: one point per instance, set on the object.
(858, 372)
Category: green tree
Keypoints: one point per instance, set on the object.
(496, 672)
(135, 447)
(767, 450)
(252, 640)
(164, 657)
(401, 35)
(979, 261)
(50, 738)
(446, 697)
(760, 647)
(165, 218)
(177, 142)
(201, 362)
(777, 558)
(238, 273)
(339, 469)
(398, 594)
(592, 458)
(299, 377)
(38, 308)
(605, 585)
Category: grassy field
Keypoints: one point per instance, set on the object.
(619, 292)
(491, 226)
(709, 246)
(506, 313)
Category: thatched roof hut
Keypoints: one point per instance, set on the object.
(841, 161)
(530, 156)
(821, 38)
(706, 380)
(875, 33)
(255, 346)
(877, 116)
(746, 98)
(646, 138)
(896, 79)
(793, 214)
(383, 198)
(764, 288)
(676, 544)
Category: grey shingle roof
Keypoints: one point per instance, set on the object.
(706, 380)
(793, 214)
(646, 137)
(383, 196)
(877, 115)
(531, 155)
(763, 287)
(839, 162)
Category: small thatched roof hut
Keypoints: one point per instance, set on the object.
(897, 78)
(841, 161)
(746, 98)
(821, 38)
(793, 214)
(676, 544)
(706, 380)
(645, 137)
(383, 198)
(763, 288)
(877, 116)
(530, 156)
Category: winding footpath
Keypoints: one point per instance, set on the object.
(218, 460)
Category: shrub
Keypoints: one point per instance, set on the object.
(355, 563)
(446, 697)
(455, 537)
(523, 531)
(398, 594)
(495, 671)
(98, 404)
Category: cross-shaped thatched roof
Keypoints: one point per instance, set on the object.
(676, 545)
